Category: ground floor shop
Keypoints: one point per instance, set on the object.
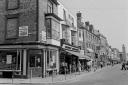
(71, 60)
(31, 60)
(68, 63)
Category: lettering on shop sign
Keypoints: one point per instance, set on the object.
(70, 48)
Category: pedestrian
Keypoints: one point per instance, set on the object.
(79, 66)
(101, 64)
(123, 66)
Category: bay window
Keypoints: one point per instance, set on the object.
(53, 29)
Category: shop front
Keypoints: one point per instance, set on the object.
(22, 61)
(70, 58)
(10, 61)
(52, 60)
(29, 60)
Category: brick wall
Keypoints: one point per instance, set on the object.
(27, 17)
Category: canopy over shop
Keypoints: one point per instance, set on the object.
(70, 59)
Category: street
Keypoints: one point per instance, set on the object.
(106, 76)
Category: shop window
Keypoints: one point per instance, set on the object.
(12, 28)
(10, 60)
(51, 58)
(12, 4)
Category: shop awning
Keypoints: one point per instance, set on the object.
(81, 56)
(89, 49)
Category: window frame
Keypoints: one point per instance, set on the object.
(48, 37)
(14, 16)
(52, 30)
(50, 58)
(14, 8)
(50, 4)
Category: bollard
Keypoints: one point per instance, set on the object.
(30, 75)
(65, 72)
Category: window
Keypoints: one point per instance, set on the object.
(80, 33)
(12, 4)
(11, 28)
(73, 37)
(64, 15)
(53, 29)
(50, 7)
(51, 58)
(10, 60)
(48, 25)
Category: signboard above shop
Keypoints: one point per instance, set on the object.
(68, 47)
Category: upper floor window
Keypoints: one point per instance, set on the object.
(50, 7)
(12, 4)
(48, 25)
(80, 33)
(53, 29)
(64, 15)
(11, 28)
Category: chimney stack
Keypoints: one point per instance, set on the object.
(79, 16)
(91, 28)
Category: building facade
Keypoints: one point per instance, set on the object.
(89, 40)
(69, 52)
(29, 37)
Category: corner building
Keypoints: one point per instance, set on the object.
(29, 38)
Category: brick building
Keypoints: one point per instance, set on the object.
(88, 39)
(29, 37)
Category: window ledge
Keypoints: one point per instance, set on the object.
(53, 15)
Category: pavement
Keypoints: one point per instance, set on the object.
(52, 79)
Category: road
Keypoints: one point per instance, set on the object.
(106, 76)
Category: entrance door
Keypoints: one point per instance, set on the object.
(35, 64)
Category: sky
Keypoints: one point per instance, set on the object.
(108, 16)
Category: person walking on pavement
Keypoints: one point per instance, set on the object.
(79, 67)
(123, 66)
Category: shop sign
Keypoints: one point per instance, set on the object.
(23, 31)
(43, 36)
(67, 47)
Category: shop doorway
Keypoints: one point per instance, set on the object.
(35, 63)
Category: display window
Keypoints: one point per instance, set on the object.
(51, 58)
(10, 60)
